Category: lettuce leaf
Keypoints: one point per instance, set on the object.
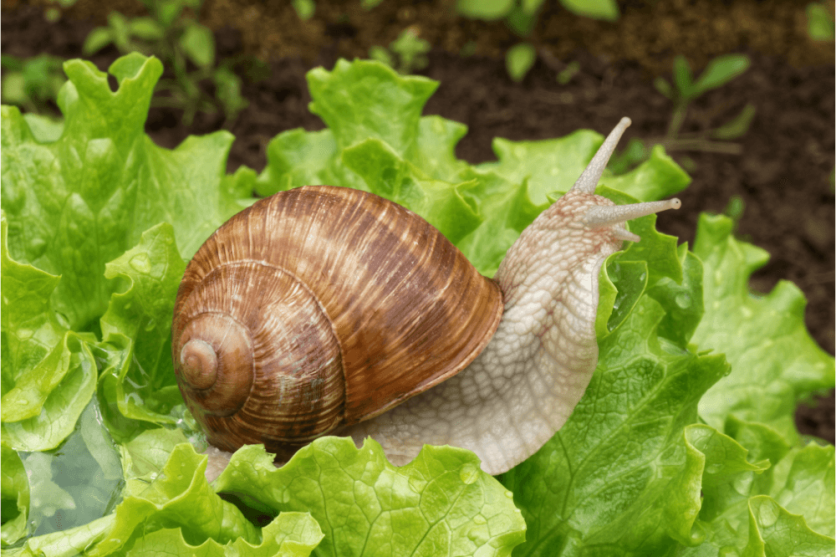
(76, 484)
(289, 535)
(74, 204)
(439, 504)
(739, 510)
(143, 386)
(774, 531)
(804, 484)
(356, 101)
(178, 497)
(66, 543)
(175, 510)
(657, 178)
(15, 497)
(550, 165)
(389, 176)
(79, 202)
(48, 371)
(775, 362)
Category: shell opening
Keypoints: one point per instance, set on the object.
(200, 364)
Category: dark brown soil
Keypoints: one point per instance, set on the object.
(783, 173)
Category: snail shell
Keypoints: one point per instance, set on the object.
(318, 308)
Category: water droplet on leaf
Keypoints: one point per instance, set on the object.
(141, 263)
(469, 473)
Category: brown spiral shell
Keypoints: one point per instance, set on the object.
(321, 307)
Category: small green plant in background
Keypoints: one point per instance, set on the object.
(519, 59)
(521, 15)
(33, 83)
(406, 54)
(685, 89)
(53, 12)
(176, 37)
(682, 92)
(565, 75)
(819, 22)
(304, 9)
(734, 209)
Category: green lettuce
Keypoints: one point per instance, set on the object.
(172, 506)
(48, 371)
(15, 496)
(655, 460)
(776, 362)
(439, 504)
(79, 202)
(729, 487)
(290, 535)
(142, 386)
(79, 483)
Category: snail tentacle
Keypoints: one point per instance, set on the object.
(595, 169)
(600, 216)
(625, 235)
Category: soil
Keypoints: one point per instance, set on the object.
(783, 171)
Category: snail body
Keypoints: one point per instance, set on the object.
(325, 310)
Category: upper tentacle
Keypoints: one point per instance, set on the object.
(592, 173)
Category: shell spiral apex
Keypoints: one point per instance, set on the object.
(200, 364)
(215, 363)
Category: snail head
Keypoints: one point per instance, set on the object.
(602, 213)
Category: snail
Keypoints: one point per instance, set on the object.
(330, 311)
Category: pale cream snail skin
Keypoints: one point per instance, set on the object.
(412, 352)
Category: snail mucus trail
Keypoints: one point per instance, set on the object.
(330, 311)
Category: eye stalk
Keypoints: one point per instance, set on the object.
(593, 172)
(600, 216)
(604, 215)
